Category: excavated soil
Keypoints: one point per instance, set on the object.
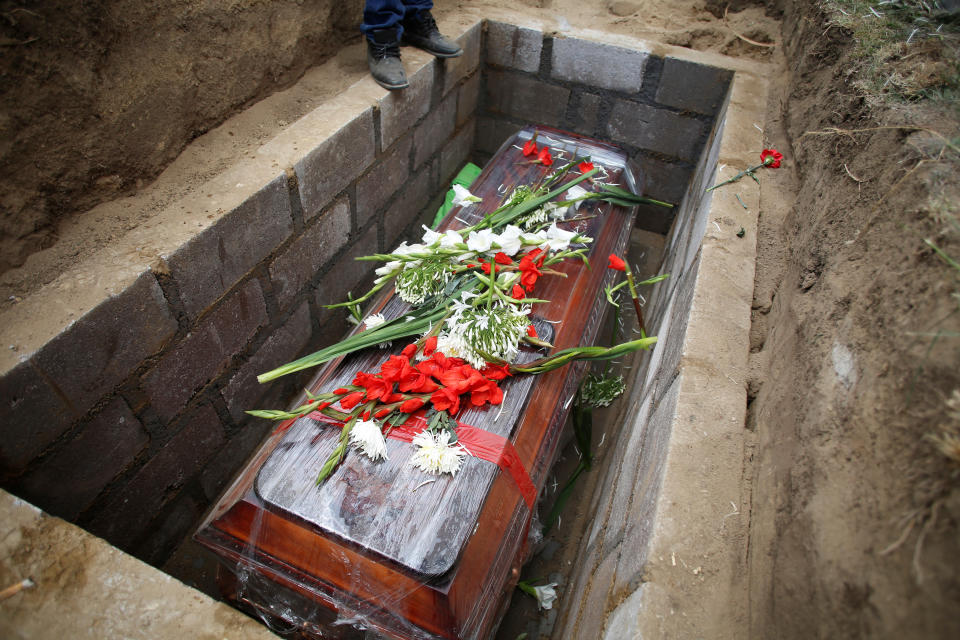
(856, 331)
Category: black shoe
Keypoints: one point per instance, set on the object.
(383, 56)
(421, 32)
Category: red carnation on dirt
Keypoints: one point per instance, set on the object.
(774, 156)
(616, 263)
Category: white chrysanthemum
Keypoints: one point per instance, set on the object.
(453, 345)
(480, 241)
(435, 454)
(509, 240)
(367, 437)
(574, 192)
(546, 595)
(462, 196)
(374, 320)
(558, 239)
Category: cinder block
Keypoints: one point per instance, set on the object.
(347, 272)
(160, 479)
(32, 415)
(526, 98)
(624, 621)
(598, 65)
(205, 351)
(169, 528)
(646, 490)
(69, 480)
(657, 130)
(513, 47)
(406, 207)
(210, 264)
(101, 349)
(400, 110)
(588, 111)
(455, 154)
(335, 163)
(469, 98)
(298, 264)
(664, 181)
(230, 458)
(383, 180)
(456, 69)
(594, 605)
(692, 86)
(242, 391)
(493, 132)
(433, 132)
(622, 490)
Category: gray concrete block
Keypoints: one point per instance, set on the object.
(646, 489)
(513, 47)
(594, 605)
(598, 65)
(68, 480)
(127, 516)
(455, 154)
(335, 163)
(32, 414)
(379, 184)
(469, 98)
(400, 110)
(242, 391)
(99, 351)
(588, 111)
(347, 272)
(623, 622)
(405, 209)
(655, 129)
(621, 493)
(205, 351)
(492, 132)
(664, 181)
(231, 457)
(434, 131)
(692, 87)
(526, 98)
(319, 242)
(212, 262)
(453, 70)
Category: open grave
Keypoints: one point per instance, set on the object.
(150, 349)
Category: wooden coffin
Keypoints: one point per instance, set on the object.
(381, 545)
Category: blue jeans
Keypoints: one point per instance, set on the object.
(387, 14)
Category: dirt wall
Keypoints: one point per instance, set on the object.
(97, 97)
(854, 528)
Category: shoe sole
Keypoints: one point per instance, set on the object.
(391, 87)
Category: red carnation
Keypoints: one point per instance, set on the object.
(771, 158)
(616, 263)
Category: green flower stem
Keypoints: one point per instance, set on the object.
(565, 356)
(745, 172)
(337, 455)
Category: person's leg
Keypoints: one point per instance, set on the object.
(383, 14)
(382, 26)
(420, 30)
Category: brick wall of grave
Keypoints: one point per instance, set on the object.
(131, 420)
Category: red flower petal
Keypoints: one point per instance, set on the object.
(529, 148)
(502, 258)
(409, 351)
(341, 391)
(411, 405)
(383, 413)
(430, 346)
(518, 293)
(352, 400)
(585, 166)
(531, 331)
(544, 157)
(771, 153)
(616, 263)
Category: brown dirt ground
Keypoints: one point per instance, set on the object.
(855, 514)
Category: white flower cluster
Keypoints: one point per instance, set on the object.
(473, 331)
(367, 437)
(435, 454)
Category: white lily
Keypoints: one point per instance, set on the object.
(559, 239)
(368, 438)
(462, 196)
(481, 241)
(509, 240)
(574, 192)
(546, 595)
(435, 453)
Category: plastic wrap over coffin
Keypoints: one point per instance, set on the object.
(380, 545)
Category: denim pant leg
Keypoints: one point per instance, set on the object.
(385, 14)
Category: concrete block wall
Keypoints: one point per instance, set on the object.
(662, 110)
(130, 421)
(615, 551)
